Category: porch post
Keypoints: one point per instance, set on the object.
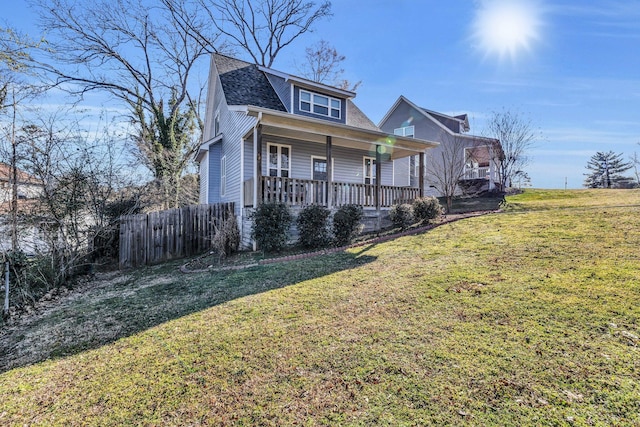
(421, 172)
(257, 163)
(492, 169)
(378, 178)
(329, 175)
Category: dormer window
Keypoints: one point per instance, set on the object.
(320, 104)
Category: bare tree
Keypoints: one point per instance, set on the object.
(635, 160)
(262, 28)
(445, 165)
(516, 136)
(14, 53)
(80, 179)
(323, 64)
(140, 52)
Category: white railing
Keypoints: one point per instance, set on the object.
(477, 173)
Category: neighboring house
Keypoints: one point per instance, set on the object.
(477, 157)
(29, 189)
(274, 137)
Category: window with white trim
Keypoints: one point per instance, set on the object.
(279, 160)
(369, 170)
(414, 166)
(408, 131)
(320, 104)
(223, 175)
(216, 124)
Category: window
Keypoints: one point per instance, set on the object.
(319, 168)
(369, 171)
(279, 160)
(414, 165)
(216, 124)
(223, 175)
(320, 104)
(408, 131)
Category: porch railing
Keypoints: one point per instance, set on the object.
(477, 173)
(302, 192)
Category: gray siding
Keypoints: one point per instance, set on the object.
(425, 128)
(406, 115)
(248, 159)
(282, 88)
(214, 173)
(204, 179)
(348, 162)
(234, 126)
(401, 176)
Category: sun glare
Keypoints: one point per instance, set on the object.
(507, 28)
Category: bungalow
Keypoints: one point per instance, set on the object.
(274, 137)
(474, 158)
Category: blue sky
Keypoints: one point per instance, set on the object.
(572, 68)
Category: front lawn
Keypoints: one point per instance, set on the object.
(529, 317)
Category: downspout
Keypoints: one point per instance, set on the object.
(329, 175)
(257, 163)
(378, 184)
(241, 207)
(421, 173)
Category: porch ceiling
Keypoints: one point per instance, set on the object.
(309, 129)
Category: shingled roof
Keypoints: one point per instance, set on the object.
(356, 118)
(244, 84)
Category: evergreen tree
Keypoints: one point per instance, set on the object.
(605, 170)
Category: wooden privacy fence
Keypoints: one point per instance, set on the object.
(159, 236)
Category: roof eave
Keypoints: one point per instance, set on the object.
(343, 130)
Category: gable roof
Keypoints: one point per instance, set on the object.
(444, 121)
(356, 118)
(244, 84)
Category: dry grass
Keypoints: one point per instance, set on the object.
(525, 318)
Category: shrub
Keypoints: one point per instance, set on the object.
(30, 277)
(227, 237)
(313, 226)
(271, 222)
(346, 224)
(426, 209)
(401, 215)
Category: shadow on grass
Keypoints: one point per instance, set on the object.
(473, 204)
(132, 302)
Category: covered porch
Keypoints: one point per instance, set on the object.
(334, 164)
(480, 164)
